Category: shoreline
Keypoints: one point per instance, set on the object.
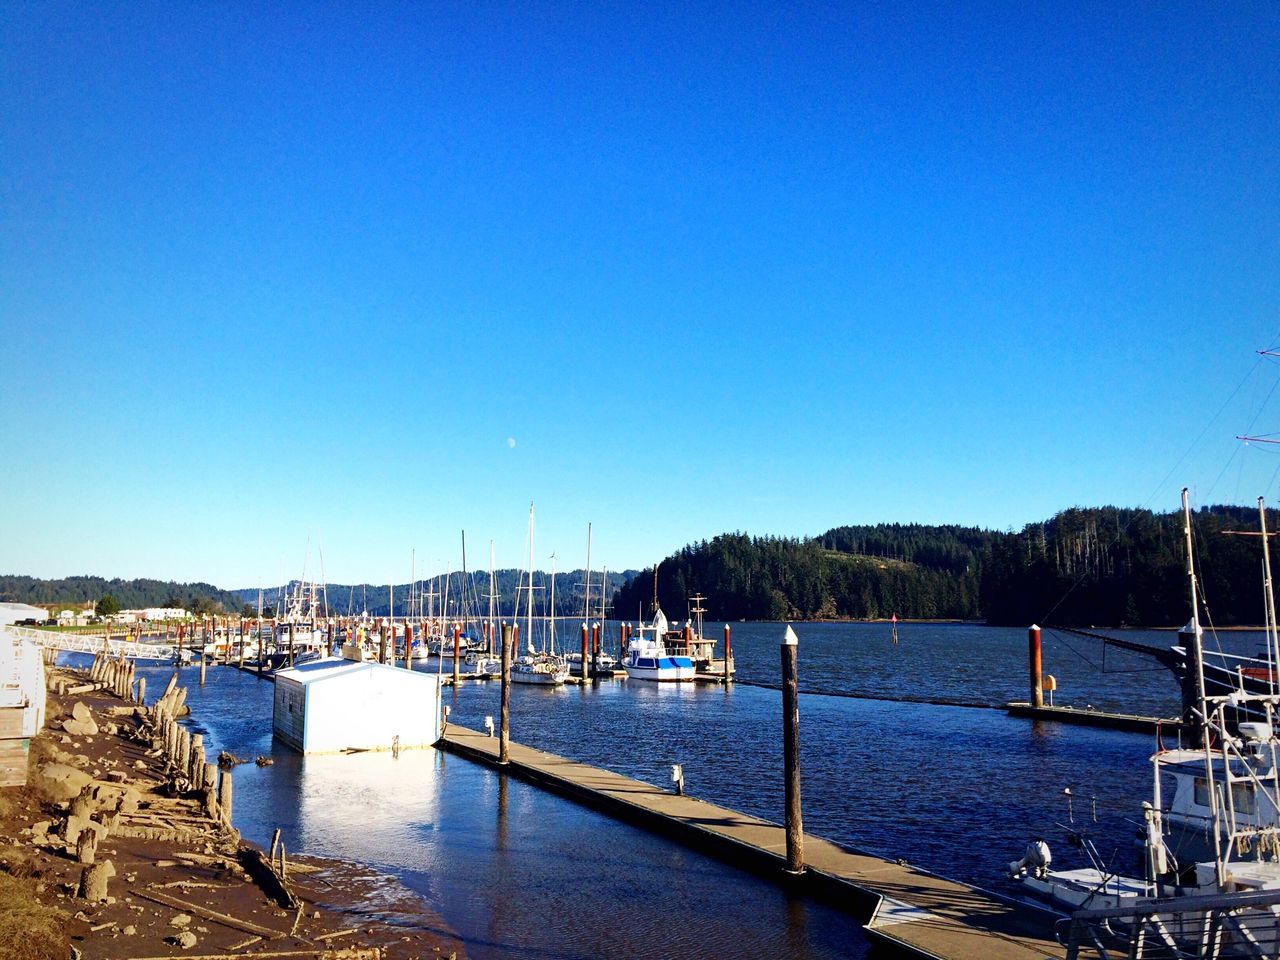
(116, 855)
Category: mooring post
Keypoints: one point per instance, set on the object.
(791, 751)
(457, 652)
(728, 656)
(584, 651)
(504, 734)
(595, 648)
(382, 643)
(408, 645)
(203, 664)
(292, 625)
(1033, 657)
(142, 691)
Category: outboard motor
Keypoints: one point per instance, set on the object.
(1035, 860)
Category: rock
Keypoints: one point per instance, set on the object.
(57, 781)
(181, 920)
(80, 728)
(93, 881)
(264, 761)
(81, 712)
(139, 764)
(186, 940)
(130, 930)
(119, 776)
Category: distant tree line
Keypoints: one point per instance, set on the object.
(1103, 566)
(129, 594)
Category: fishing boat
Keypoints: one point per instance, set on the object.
(1210, 860)
(647, 657)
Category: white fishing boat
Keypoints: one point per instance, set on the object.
(1209, 884)
(647, 657)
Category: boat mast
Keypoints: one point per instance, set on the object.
(1195, 661)
(551, 620)
(492, 597)
(586, 598)
(466, 600)
(529, 613)
(1273, 643)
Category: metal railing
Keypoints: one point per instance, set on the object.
(1221, 926)
(90, 643)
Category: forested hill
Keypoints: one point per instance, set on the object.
(376, 598)
(131, 594)
(1103, 566)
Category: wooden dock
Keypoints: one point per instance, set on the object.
(904, 906)
(1097, 718)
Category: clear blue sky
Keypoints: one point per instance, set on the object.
(365, 275)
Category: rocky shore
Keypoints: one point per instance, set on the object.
(121, 847)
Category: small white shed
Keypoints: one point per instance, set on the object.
(328, 706)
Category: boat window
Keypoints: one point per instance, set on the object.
(1245, 797)
(1202, 792)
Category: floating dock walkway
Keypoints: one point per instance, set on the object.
(904, 906)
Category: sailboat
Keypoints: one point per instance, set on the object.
(540, 667)
(1210, 877)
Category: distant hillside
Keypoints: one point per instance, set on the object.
(1102, 565)
(132, 594)
(355, 598)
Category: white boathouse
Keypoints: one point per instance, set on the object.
(328, 706)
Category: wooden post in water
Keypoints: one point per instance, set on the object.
(1033, 658)
(584, 651)
(728, 656)
(203, 664)
(382, 643)
(791, 751)
(595, 648)
(457, 652)
(182, 629)
(292, 625)
(504, 736)
(226, 651)
(408, 645)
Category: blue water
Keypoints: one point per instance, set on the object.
(513, 871)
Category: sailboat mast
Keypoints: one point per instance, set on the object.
(586, 600)
(1273, 645)
(529, 613)
(551, 623)
(492, 597)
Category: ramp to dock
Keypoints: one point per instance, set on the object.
(903, 905)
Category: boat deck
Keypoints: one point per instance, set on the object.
(908, 907)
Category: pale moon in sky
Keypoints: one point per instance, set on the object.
(511, 442)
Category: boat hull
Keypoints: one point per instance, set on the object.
(660, 669)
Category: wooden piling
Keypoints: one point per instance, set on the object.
(457, 652)
(595, 648)
(408, 645)
(504, 742)
(224, 795)
(292, 626)
(728, 656)
(1033, 657)
(791, 752)
(584, 651)
(142, 691)
(382, 643)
